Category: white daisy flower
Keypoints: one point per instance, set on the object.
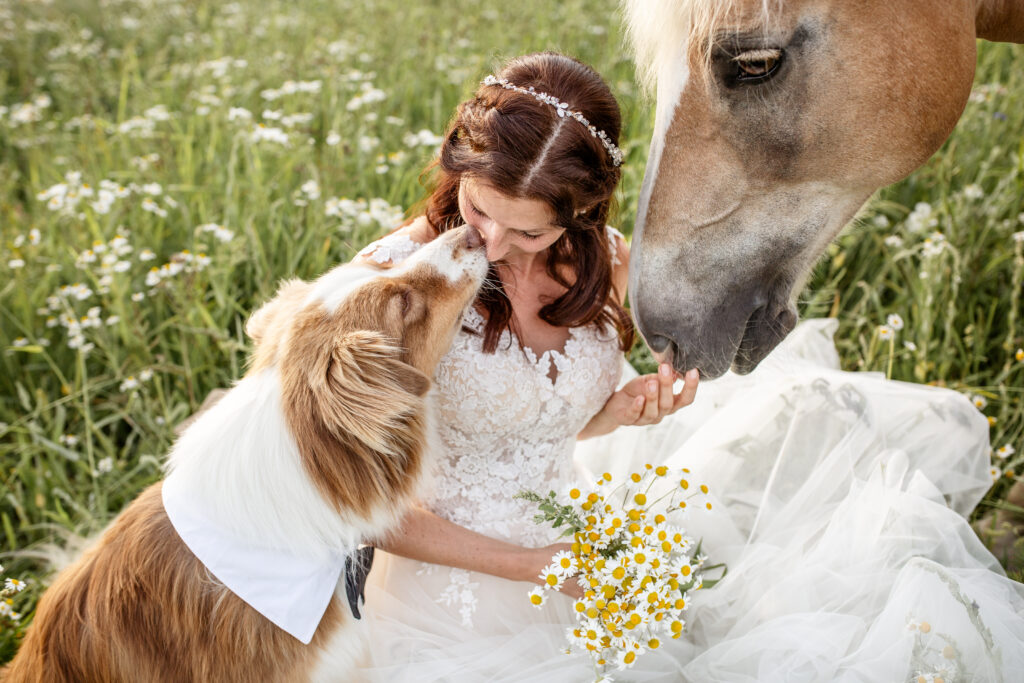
(14, 585)
(130, 384)
(263, 132)
(934, 244)
(564, 561)
(151, 206)
(537, 597)
(552, 576)
(239, 114)
(885, 332)
(1005, 451)
(894, 321)
(973, 191)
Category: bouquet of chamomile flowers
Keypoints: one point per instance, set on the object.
(633, 558)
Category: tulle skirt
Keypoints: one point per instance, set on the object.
(840, 511)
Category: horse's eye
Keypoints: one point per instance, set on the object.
(757, 65)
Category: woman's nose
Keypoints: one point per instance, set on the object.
(494, 241)
(496, 250)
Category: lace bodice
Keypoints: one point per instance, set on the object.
(506, 426)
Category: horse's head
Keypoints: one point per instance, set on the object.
(775, 122)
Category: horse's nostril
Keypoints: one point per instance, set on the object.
(659, 343)
(473, 238)
(787, 319)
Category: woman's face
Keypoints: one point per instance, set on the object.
(510, 227)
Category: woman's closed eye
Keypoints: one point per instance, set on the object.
(521, 233)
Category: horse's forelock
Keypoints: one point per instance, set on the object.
(658, 29)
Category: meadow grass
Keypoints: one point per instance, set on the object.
(228, 146)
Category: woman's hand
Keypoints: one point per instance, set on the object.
(644, 400)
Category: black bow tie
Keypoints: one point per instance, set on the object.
(357, 568)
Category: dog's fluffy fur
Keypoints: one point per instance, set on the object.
(322, 445)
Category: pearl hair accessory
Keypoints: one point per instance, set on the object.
(562, 108)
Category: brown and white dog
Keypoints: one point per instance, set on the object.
(321, 445)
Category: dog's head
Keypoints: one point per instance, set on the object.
(354, 351)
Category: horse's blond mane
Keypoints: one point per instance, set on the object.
(657, 29)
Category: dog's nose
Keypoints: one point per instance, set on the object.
(473, 238)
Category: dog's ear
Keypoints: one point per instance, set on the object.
(369, 392)
(289, 296)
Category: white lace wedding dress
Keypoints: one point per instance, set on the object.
(841, 503)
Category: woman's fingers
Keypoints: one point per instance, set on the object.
(652, 388)
(636, 409)
(666, 378)
(685, 397)
(656, 398)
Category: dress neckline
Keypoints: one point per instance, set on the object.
(476, 321)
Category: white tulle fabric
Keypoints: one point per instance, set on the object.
(841, 503)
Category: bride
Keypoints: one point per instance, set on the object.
(842, 496)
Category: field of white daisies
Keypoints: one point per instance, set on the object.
(164, 164)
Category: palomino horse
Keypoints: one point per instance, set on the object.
(776, 120)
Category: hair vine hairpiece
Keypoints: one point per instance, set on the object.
(562, 109)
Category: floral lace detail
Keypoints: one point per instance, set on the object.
(505, 425)
(395, 247)
(460, 592)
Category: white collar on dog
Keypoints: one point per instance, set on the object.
(290, 590)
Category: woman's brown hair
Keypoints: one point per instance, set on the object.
(522, 148)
